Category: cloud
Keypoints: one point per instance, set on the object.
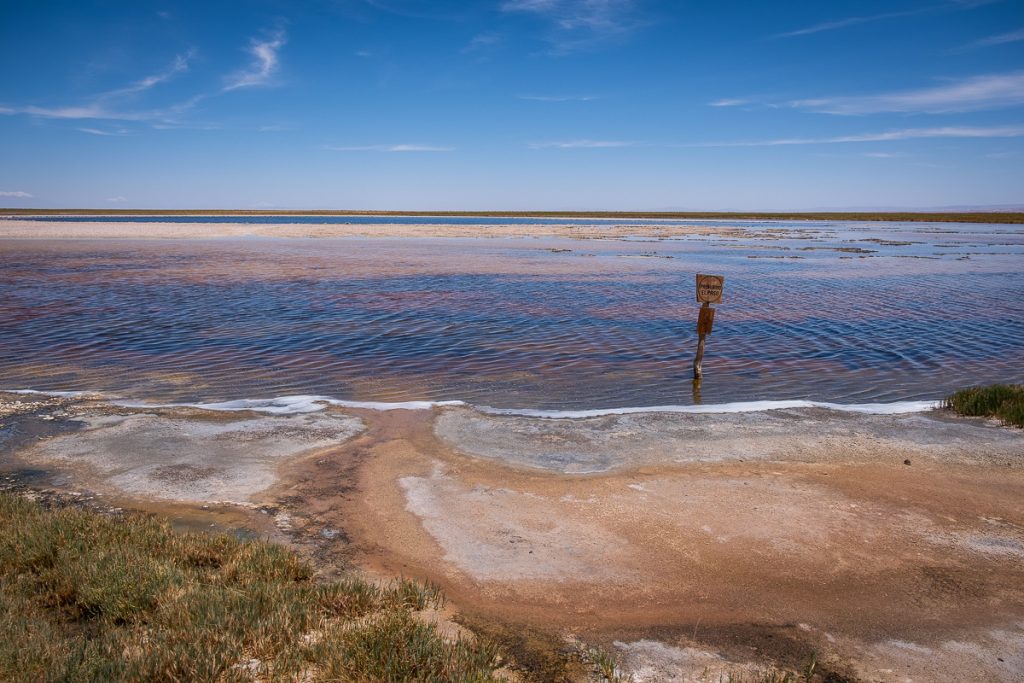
(887, 136)
(179, 65)
(435, 10)
(971, 4)
(88, 111)
(15, 193)
(100, 112)
(557, 98)
(104, 106)
(264, 64)
(729, 102)
(849, 21)
(579, 24)
(391, 148)
(110, 105)
(949, 6)
(580, 144)
(999, 39)
(970, 94)
(114, 133)
(117, 200)
(178, 125)
(481, 41)
(882, 155)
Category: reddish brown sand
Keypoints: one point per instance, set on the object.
(725, 552)
(889, 570)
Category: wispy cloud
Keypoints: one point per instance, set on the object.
(730, 102)
(434, 10)
(948, 6)
(998, 39)
(886, 136)
(264, 63)
(581, 144)
(881, 155)
(971, 4)
(117, 200)
(113, 105)
(579, 24)
(185, 125)
(481, 41)
(14, 193)
(850, 21)
(557, 98)
(970, 94)
(179, 65)
(390, 148)
(88, 111)
(106, 133)
(109, 105)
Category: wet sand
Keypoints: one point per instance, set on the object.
(892, 546)
(888, 569)
(50, 230)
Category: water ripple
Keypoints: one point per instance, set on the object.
(507, 323)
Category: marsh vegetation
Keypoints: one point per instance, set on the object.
(1003, 401)
(91, 597)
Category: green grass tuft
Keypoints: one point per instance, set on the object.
(87, 597)
(1005, 401)
(607, 666)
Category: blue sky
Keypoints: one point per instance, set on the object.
(512, 104)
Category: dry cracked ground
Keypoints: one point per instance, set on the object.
(690, 546)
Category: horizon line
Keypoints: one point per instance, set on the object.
(623, 213)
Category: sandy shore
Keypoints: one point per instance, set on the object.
(891, 546)
(49, 230)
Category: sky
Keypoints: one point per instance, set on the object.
(512, 104)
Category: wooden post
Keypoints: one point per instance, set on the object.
(697, 373)
(709, 291)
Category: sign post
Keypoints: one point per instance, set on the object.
(709, 291)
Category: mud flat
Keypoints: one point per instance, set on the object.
(50, 230)
(189, 459)
(688, 544)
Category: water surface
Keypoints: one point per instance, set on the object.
(839, 312)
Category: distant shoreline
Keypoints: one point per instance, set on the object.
(896, 216)
(13, 228)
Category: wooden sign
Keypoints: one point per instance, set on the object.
(709, 291)
(705, 320)
(709, 288)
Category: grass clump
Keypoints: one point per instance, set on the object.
(1005, 401)
(606, 665)
(88, 597)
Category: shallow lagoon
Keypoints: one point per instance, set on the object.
(840, 312)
